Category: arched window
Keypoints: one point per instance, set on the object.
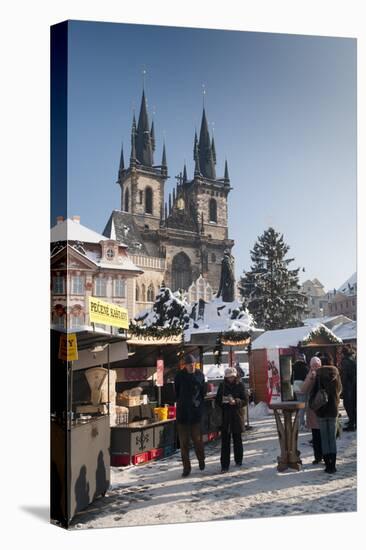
(137, 293)
(143, 293)
(213, 210)
(127, 200)
(213, 258)
(150, 293)
(181, 272)
(148, 200)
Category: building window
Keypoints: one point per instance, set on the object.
(100, 286)
(77, 284)
(143, 293)
(120, 288)
(141, 195)
(181, 272)
(110, 253)
(76, 320)
(148, 200)
(213, 258)
(127, 200)
(150, 293)
(59, 284)
(137, 293)
(213, 210)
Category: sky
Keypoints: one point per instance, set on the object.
(283, 112)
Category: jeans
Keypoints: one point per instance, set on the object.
(225, 448)
(317, 444)
(186, 432)
(301, 397)
(328, 430)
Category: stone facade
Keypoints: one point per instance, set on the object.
(317, 298)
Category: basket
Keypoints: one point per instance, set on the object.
(130, 401)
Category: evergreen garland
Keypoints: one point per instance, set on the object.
(321, 331)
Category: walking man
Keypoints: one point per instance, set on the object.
(349, 378)
(190, 392)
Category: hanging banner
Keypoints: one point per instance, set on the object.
(68, 350)
(105, 313)
(160, 372)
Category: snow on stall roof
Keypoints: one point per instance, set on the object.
(329, 322)
(70, 230)
(289, 337)
(346, 331)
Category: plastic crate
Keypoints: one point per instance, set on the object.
(156, 453)
(140, 458)
(172, 412)
(120, 459)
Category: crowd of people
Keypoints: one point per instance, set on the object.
(320, 385)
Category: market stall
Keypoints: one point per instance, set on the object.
(273, 353)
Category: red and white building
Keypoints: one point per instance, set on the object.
(85, 263)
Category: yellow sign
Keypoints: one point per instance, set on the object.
(68, 350)
(105, 313)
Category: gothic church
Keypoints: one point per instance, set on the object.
(186, 237)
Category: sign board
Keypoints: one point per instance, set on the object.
(68, 350)
(105, 313)
(160, 372)
(273, 373)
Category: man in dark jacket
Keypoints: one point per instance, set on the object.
(190, 392)
(328, 379)
(349, 378)
(231, 397)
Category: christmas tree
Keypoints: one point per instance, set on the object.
(271, 290)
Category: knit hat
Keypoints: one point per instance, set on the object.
(301, 357)
(230, 371)
(315, 362)
(190, 359)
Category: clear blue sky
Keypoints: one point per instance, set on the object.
(284, 114)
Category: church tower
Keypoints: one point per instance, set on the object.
(142, 183)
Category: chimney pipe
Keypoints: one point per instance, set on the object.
(59, 219)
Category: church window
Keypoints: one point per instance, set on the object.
(100, 286)
(137, 293)
(127, 200)
(213, 258)
(141, 194)
(120, 288)
(181, 272)
(77, 284)
(59, 285)
(148, 200)
(150, 293)
(213, 210)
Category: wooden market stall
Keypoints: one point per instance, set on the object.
(273, 353)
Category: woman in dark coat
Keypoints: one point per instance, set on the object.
(328, 379)
(231, 397)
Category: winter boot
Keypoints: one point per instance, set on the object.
(333, 460)
(327, 461)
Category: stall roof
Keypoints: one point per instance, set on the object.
(289, 337)
(346, 331)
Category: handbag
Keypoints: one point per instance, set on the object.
(319, 398)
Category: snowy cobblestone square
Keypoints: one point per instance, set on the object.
(155, 493)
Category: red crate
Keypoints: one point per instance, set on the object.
(140, 458)
(156, 453)
(120, 459)
(172, 412)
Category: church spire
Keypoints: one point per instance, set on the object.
(207, 164)
(144, 148)
(213, 149)
(185, 178)
(226, 175)
(121, 161)
(152, 136)
(133, 142)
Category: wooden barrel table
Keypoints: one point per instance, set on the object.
(288, 430)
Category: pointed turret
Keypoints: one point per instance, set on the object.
(213, 149)
(152, 136)
(174, 195)
(207, 164)
(133, 142)
(195, 146)
(121, 164)
(226, 175)
(144, 149)
(165, 211)
(164, 167)
(170, 204)
(185, 178)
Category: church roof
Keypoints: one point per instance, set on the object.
(122, 227)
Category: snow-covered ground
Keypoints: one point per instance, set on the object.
(155, 493)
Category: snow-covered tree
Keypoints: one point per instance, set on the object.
(270, 289)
